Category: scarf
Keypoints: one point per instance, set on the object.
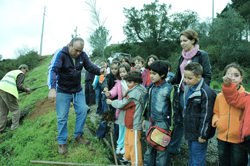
(187, 56)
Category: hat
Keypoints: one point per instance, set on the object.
(24, 66)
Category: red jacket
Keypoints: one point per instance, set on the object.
(242, 101)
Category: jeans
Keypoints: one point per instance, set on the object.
(197, 153)
(231, 154)
(101, 131)
(99, 98)
(176, 139)
(62, 110)
(151, 158)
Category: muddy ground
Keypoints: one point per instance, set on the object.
(44, 106)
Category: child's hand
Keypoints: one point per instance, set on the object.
(201, 140)
(107, 94)
(105, 89)
(228, 77)
(143, 125)
(108, 101)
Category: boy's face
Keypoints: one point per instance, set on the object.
(131, 84)
(190, 79)
(138, 64)
(155, 77)
(103, 65)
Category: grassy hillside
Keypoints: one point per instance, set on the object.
(36, 139)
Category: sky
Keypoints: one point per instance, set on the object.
(21, 21)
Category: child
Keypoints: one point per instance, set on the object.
(107, 84)
(97, 83)
(170, 74)
(132, 106)
(227, 119)
(119, 90)
(198, 111)
(158, 111)
(146, 81)
(139, 61)
(126, 60)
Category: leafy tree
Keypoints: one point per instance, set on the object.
(181, 22)
(1, 57)
(99, 37)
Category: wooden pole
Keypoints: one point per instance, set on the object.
(113, 147)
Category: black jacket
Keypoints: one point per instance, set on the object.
(202, 58)
(199, 113)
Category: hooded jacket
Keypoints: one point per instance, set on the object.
(198, 113)
(64, 75)
(132, 103)
(241, 101)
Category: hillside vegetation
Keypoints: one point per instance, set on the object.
(36, 139)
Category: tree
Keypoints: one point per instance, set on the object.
(181, 22)
(99, 37)
(1, 57)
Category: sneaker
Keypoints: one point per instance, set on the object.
(122, 151)
(123, 160)
(117, 151)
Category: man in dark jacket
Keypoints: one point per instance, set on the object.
(64, 83)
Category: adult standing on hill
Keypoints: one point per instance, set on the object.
(191, 51)
(64, 83)
(10, 84)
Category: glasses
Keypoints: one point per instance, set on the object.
(76, 50)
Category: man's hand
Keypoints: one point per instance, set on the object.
(105, 89)
(52, 94)
(201, 140)
(103, 72)
(228, 77)
(143, 125)
(107, 94)
(108, 101)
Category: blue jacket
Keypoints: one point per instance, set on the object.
(159, 105)
(199, 112)
(64, 75)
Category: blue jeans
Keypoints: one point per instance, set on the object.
(62, 110)
(101, 131)
(197, 153)
(99, 98)
(231, 154)
(121, 138)
(154, 157)
(176, 139)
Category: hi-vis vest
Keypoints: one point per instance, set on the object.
(8, 82)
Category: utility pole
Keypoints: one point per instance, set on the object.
(41, 44)
(75, 30)
(212, 9)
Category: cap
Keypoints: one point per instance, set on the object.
(24, 66)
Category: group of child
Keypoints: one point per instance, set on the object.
(130, 87)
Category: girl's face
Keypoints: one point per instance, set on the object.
(150, 61)
(138, 64)
(114, 69)
(236, 76)
(123, 72)
(187, 44)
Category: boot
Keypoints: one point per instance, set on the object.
(62, 149)
(80, 140)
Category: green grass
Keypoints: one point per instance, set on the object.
(36, 139)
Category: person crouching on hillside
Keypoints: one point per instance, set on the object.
(10, 84)
(132, 104)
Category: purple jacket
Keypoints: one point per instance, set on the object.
(64, 75)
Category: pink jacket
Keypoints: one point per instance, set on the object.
(144, 75)
(116, 90)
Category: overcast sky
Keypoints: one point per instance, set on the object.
(21, 21)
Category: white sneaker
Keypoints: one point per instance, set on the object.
(118, 150)
(122, 151)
